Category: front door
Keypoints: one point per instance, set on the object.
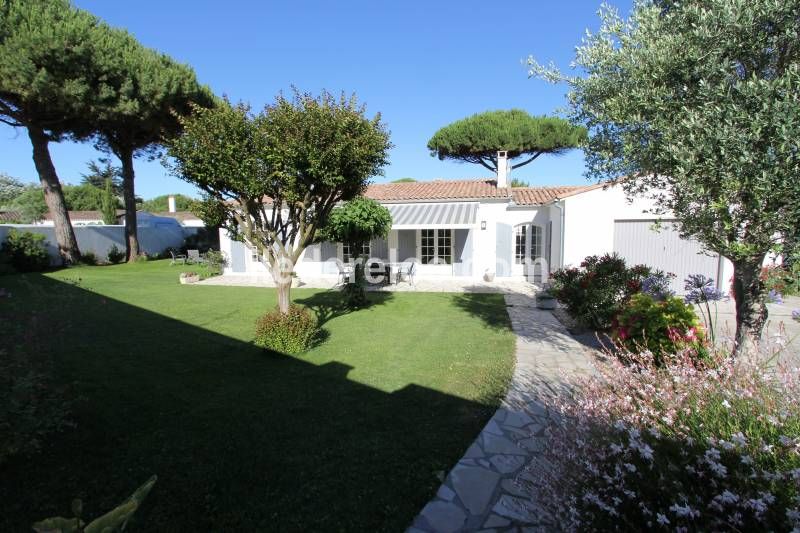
(528, 249)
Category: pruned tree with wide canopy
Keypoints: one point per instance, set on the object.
(478, 138)
(150, 92)
(272, 179)
(50, 82)
(697, 103)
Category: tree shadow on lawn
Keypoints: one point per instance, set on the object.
(332, 304)
(241, 440)
(489, 307)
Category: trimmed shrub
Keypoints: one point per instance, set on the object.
(292, 333)
(89, 258)
(594, 293)
(662, 327)
(26, 251)
(115, 255)
(676, 448)
(214, 264)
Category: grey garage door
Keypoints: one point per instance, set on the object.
(640, 243)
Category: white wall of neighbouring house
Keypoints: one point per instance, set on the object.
(589, 221)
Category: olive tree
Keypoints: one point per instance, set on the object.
(697, 104)
(272, 179)
(478, 138)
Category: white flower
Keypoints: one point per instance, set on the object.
(630, 467)
(739, 439)
(727, 497)
(726, 404)
(661, 519)
(683, 510)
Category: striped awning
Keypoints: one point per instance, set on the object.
(442, 215)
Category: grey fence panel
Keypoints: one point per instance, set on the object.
(99, 239)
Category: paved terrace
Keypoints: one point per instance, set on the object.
(421, 284)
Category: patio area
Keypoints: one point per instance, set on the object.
(421, 284)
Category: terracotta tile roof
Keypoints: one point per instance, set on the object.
(476, 189)
(180, 216)
(85, 215)
(10, 216)
(542, 195)
(437, 190)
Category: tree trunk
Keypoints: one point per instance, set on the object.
(749, 293)
(54, 197)
(129, 199)
(282, 275)
(284, 295)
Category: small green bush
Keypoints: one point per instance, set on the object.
(291, 333)
(594, 293)
(215, 263)
(26, 251)
(89, 258)
(115, 255)
(782, 280)
(662, 327)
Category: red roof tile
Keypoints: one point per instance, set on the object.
(437, 190)
(477, 189)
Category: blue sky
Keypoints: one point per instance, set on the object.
(421, 64)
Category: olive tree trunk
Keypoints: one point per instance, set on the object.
(749, 294)
(54, 196)
(129, 199)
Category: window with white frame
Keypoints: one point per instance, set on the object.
(537, 242)
(520, 236)
(436, 246)
(347, 257)
(255, 257)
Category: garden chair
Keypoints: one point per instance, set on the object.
(193, 256)
(344, 272)
(408, 270)
(176, 258)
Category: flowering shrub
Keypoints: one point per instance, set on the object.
(676, 447)
(292, 333)
(594, 293)
(780, 279)
(661, 327)
(702, 291)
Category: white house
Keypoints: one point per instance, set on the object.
(475, 228)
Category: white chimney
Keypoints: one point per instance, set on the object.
(171, 204)
(502, 168)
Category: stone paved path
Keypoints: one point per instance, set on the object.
(481, 493)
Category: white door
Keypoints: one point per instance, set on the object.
(528, 250)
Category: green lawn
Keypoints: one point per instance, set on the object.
(349, 436)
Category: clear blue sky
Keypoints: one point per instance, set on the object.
(421, 64)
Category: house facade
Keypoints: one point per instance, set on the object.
(482, 229)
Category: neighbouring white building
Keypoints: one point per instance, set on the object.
(482, 228)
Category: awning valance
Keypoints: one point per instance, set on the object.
(441, 215)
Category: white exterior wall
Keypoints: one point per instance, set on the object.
(589, 221)
(589, 224)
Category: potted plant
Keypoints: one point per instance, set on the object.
(545, 299)
(488, 275)
(189, 277)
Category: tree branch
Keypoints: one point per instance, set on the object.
(526, 162)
